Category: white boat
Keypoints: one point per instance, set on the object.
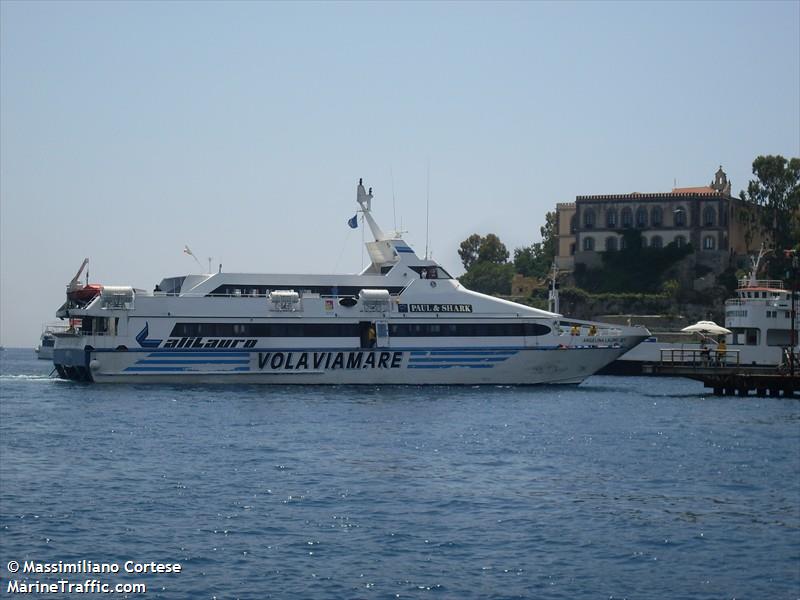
(759, 321)
(402, 320)
(47, 340)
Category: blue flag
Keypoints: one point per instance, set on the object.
(353, 222)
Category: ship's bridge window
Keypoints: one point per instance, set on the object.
(431, 272)
(94, 325)
(171, 285)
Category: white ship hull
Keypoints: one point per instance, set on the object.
(44, 352)
(335, 366)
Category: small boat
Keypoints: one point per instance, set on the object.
(47, 341)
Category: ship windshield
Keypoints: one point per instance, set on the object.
(171, 285)
(431, 272)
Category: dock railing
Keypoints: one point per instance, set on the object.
(708, 358)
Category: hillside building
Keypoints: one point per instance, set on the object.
(709, 218)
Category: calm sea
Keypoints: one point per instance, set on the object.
(618, 488)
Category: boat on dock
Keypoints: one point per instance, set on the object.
(403, 320)
(758, 330)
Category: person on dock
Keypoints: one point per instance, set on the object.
(722, 349)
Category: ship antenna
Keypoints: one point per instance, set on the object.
(427, 208)
(394, 207)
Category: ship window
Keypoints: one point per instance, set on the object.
(467, 329)
(322, 290)
(779, 337)
(431, 272)
(265, 330)
(171, 285)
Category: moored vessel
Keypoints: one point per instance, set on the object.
(758, 331)
(402, 320)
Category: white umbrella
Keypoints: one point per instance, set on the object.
(707, 327)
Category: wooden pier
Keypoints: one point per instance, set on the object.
(724, 375)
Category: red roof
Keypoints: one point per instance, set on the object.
(695, 190)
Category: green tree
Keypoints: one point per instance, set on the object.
(477, 249)
(535, 260)
(776, 190)
(489, 278)
(468, 250)
(486, 261)
(492, 250)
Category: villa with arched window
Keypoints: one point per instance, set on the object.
(700, 217)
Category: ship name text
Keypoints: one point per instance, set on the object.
(303, 361)
(200, 342)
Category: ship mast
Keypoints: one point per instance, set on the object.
(755, 262)
(364, 200)
(553, 294)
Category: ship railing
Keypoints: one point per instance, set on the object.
(761, 283)
(776, 302)
(710, 357)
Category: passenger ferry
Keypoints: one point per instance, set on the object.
(402, 320)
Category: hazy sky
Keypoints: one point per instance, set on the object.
(128, 130)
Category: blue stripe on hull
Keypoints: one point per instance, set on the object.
(465, 359)
(198, 361)
(413, 366)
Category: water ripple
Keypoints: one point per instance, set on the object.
(620, 488)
